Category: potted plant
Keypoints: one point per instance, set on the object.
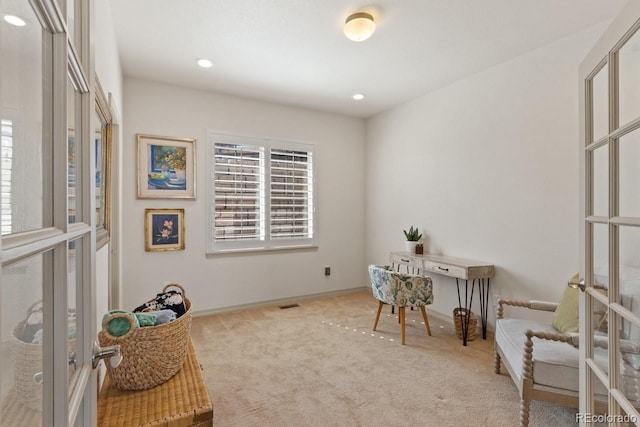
(413, 237)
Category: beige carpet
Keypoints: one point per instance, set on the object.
(320, 364)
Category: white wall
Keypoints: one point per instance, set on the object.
(488, 169)
(219, 281)
(109, 72)
(107, 59)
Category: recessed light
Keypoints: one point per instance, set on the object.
(358, 96)
(204, 63)
(15, 20)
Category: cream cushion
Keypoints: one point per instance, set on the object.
(555, 364)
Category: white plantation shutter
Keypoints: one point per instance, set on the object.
(261, 194)
(6, 160)
(239, 192)
(291, 194)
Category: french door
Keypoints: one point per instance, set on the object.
(47, 214)
(610, 238)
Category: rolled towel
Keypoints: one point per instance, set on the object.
(164, 316)
(146, 319)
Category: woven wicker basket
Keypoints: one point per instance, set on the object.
(458, 317)
(150, 354)
(28, 362)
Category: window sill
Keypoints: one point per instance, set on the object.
(262, 250)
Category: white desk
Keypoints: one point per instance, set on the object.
(458, 268)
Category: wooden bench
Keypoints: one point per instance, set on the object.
(182, 401)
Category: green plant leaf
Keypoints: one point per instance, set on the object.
(413, 235)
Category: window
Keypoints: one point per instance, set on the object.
(6, 159)
(260, 193)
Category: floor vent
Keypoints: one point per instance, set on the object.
(289, 306)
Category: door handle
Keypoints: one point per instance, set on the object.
(577, 285)
(112, 353)
(38, 377)
(581, 285)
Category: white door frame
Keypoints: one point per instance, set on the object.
(66, 401)
(602, 51)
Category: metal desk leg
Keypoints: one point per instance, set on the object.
(467, 305)
(484, 304)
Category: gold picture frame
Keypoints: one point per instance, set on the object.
(164, 230)
(103, 145)
(166, 167)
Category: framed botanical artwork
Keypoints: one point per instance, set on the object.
(163, 229)
(166, 167)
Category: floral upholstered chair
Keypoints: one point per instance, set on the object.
(403, 290)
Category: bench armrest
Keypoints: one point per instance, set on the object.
(532, 305)
(602, 341)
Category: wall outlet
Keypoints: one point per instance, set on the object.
(327, 271)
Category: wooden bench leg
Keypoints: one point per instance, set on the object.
(524, 413)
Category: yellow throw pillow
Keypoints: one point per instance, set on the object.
(566, 318)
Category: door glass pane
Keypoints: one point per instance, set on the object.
(601, 181)
(600, 389)
(629, 279)
(21, 340)
(99, 161)
(629, 83)
(601, 254)
(74, 154)
(629, 275)
(71, 19)
(599, 323)
(21, 76)
(629, 174)
(630, 360)
(600, 91)
(74, 279)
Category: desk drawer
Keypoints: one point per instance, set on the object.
(409, 261)
(445, 269)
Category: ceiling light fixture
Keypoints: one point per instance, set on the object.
(15, 20)
(358, 96)
(359, 26)
(204, 63)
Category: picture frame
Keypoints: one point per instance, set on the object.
(166, 167)
(164, 230)
(103, 135)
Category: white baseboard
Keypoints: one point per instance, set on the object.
(282, 301)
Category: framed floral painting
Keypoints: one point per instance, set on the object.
(166, 167)
(164, 229)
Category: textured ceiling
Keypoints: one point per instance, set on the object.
(294, 51)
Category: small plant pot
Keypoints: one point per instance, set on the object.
(411, 246)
